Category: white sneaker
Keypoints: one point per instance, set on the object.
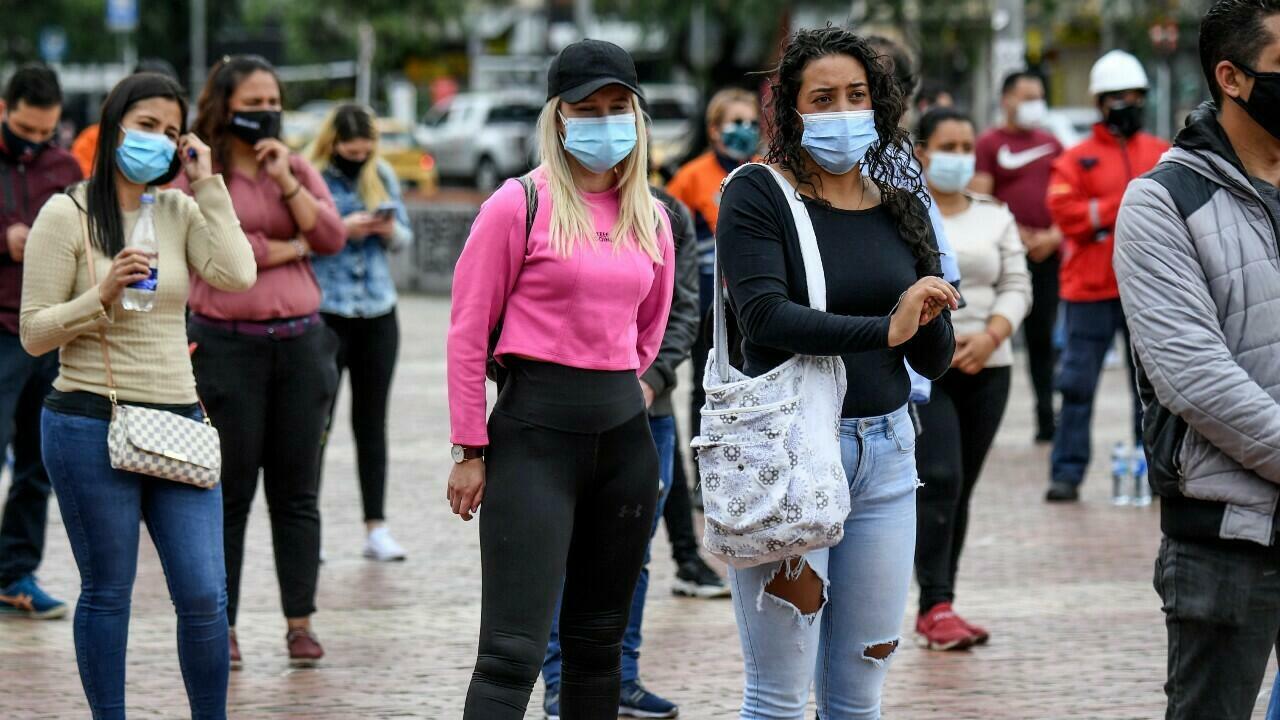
(382, 547)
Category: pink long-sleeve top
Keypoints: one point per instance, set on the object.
(602, 308)
(283, 291)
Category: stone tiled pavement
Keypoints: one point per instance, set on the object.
(1066, 591)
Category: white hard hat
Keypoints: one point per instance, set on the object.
(1116, 71)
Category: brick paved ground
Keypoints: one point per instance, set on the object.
(1066, 591)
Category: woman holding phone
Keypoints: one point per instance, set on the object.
(359, 301)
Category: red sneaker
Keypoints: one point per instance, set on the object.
(979, 633)
(304, 648)
(942, 629)
(235, 651)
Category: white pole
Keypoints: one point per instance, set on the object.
(364, 69)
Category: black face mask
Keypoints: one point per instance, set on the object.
(1124, 119)
(1263, 104)
(254, 125)
(18, 148)
(350, 168)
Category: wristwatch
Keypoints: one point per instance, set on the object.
(462, 453)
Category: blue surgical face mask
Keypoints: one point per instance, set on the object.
(950, 172)
(145, 157)
(839, 140)
(740, 140)
(600, 143)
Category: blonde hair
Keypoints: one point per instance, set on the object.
(719, 104)
(358, 123)
(571, 224)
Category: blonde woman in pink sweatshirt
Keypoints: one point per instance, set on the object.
(565, 467)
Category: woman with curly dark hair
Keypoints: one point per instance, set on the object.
(835, 111)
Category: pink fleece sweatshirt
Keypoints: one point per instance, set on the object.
(596, 310)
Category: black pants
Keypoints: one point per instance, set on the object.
(1222, 611)
(269, 400)
(958, 425)
(562, 509)
(1042, 357)
(367, 347)
(677, 513)
(24, 383)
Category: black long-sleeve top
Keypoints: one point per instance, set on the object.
(867, 264)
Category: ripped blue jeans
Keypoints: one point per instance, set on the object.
(867, 576)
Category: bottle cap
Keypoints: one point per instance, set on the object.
(148, 199)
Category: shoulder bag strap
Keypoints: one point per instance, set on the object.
(93, 282)
(815, 277)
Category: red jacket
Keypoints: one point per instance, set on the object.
(24, 188)
(1085, 189)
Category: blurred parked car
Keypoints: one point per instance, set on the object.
(673, 110)
(482, 138)
(1070, 125)
(414, 166)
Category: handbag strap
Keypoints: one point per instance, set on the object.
(815, 275)
(102, 331)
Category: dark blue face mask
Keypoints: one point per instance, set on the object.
(19, 148)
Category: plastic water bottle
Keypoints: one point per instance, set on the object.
(141, 295)
(1141, 489)
(1120, 474)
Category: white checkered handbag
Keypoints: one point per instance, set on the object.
(768, 452)
(155, 442)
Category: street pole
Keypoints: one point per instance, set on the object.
(1008, 50)
(364, 64)
(198, 31)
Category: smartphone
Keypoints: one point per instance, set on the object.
(385, 211)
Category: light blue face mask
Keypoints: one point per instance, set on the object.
(144, 157)
(839, 140)
(600, 143)
(950, 172)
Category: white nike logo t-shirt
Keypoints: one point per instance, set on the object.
(1010, 160)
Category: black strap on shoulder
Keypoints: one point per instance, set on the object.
(530, 206)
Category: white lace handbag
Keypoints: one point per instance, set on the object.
(773, 482)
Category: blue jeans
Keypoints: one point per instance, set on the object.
(664, 437)
(101, 509)
(24, 383)
(867, 577)
(1091, 330)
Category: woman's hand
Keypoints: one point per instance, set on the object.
(130, 266)
(972, 352)
(466, 488)
(359, 224)
(918, 306)
(273, 156)
(197, 160)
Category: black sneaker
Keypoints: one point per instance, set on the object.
(696, 579)
(1062, 492)
(637, 702)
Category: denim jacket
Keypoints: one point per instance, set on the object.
(357, 281)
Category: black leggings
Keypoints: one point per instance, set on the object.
(562, 509)
(1042, 356)
(367, 347)
(268, 399)
(958, 425)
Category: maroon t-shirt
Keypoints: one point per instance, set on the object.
(1020, 162)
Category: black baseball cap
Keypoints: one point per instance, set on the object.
(588, 65)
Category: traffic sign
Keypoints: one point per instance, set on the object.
(53, 44)
(122, 15)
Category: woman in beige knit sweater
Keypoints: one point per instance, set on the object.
(142, 146)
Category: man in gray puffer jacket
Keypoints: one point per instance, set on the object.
(1199, 270)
